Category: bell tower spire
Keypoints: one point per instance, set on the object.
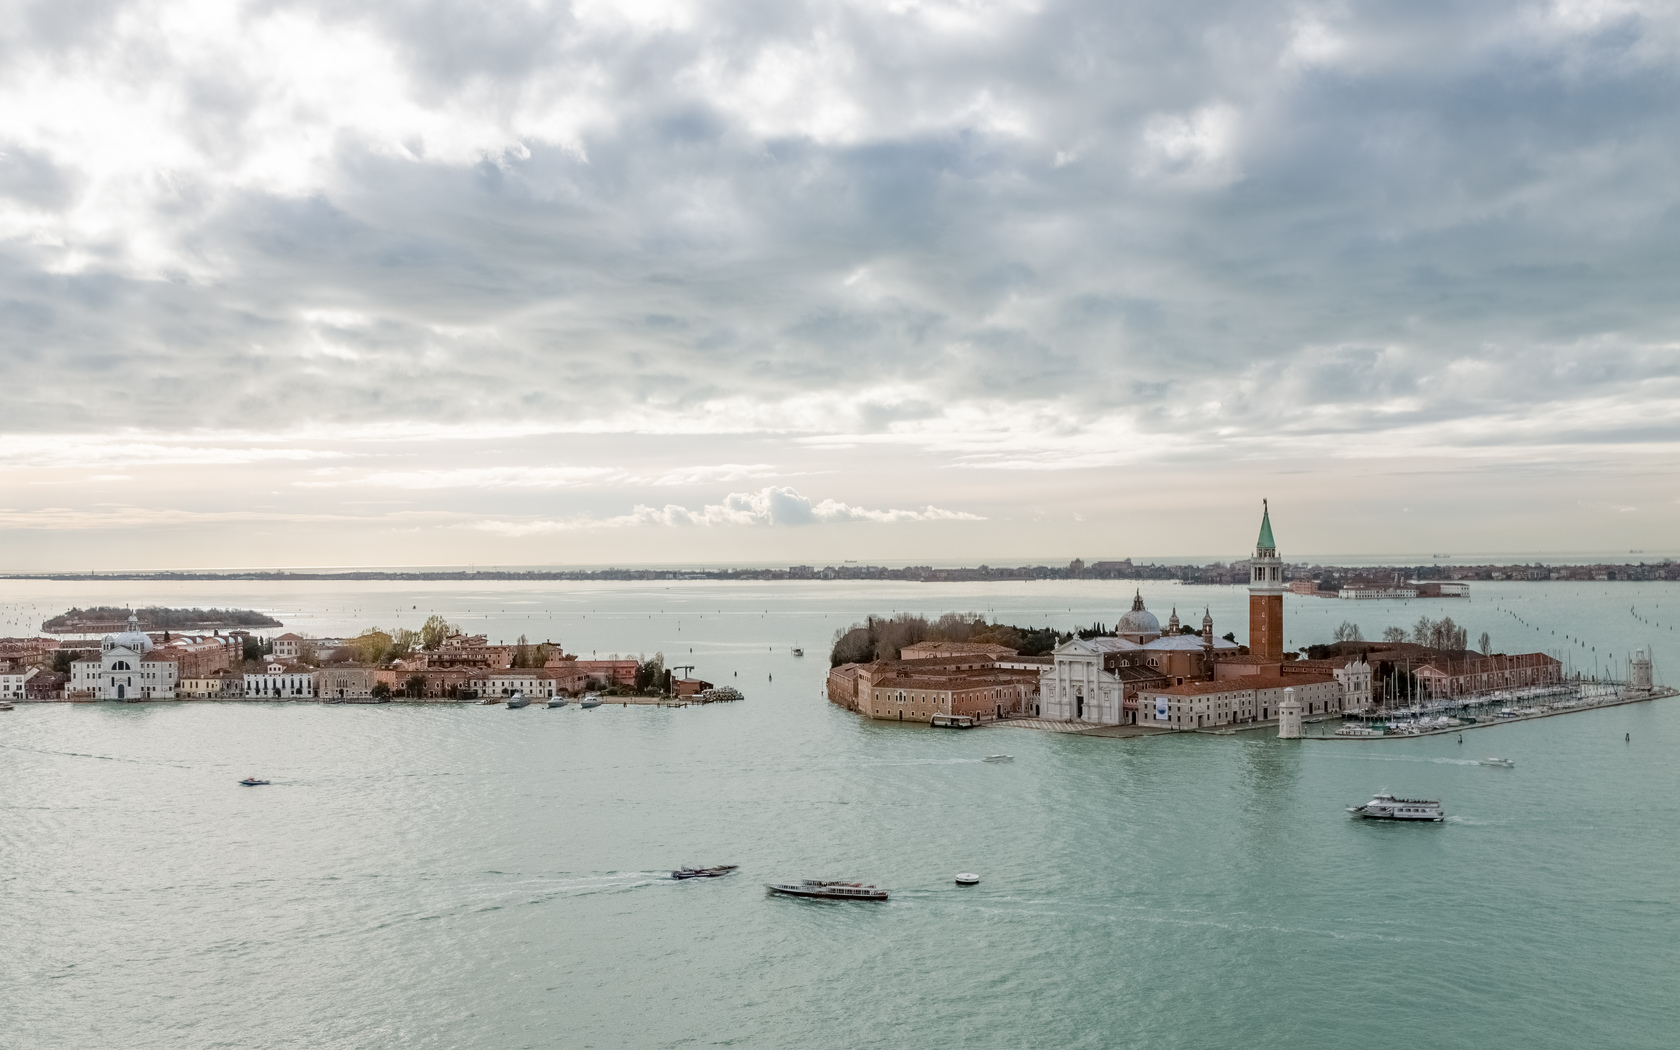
(1265, 595)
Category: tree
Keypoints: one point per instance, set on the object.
(415, 686)
(371, 646)
(253, 648)
(650, 673)
(522, 653)
(380, 691)
(436, 631)
(1394, 634)
(1485, 644)
(1348, 632)
(403, 642)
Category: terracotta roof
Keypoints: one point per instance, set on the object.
(1203, 687)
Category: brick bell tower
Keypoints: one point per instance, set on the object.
(1265, 597)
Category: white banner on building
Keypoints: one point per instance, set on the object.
(1161, 708)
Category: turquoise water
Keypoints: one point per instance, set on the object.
(484, 878)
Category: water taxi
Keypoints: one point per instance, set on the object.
(954, 722)
(967, 878)
(828, 890)
(518, 700)
(252, 782)
(1387, 807)
(558, 701)
(704, 873)
(998, 758)
(1502, 763)
(590, 701)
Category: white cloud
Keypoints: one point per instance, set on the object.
(770, 506)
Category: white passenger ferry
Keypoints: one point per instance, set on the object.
(1387, 807)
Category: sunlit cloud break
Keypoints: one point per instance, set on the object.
(772, 505)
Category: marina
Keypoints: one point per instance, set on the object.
(1503, 708)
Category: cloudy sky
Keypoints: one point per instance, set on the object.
(432, 283)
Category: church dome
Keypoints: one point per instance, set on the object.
(133, 639)
(1139, 620)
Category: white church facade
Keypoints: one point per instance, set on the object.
(125, 669)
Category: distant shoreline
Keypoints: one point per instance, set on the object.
(1218, 573)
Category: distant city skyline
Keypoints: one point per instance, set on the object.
(685, 283)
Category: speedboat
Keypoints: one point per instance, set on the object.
(590, 701)
(5, 705)
(252, 782)
(1502, 763)
(1387, 807)
(558, 701)
(828, 890)
(998, 758)
(798, 651)
(518, 700)
(704, 873)
(967, 878)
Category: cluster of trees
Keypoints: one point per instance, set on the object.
(1436, 634)
(156, 617)
(881, 638)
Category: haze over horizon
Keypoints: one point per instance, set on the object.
(296, 284)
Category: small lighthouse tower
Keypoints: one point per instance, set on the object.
(1289, 716)
(1639, 670)
(1265, 596)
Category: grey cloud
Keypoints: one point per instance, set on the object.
(1438, 182)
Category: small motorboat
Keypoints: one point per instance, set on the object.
(1502, 763)
(998, 758)
(518, 700)
(5, 705)
(704, 873)
(1387, 807)
(252, 782)
(828, 890)
(590, 701)
(967, 878)
(798, 651)
(558, 701)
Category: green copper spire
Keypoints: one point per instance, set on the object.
(1266, 542)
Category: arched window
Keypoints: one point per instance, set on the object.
(120, 665)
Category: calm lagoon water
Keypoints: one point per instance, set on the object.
(482, 878)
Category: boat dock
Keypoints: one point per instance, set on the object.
(1507, 716)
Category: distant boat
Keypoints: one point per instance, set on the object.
(798, 651)
(704, 873)
(828, 890)
(1387, 807)
(558, 701)
(967, 878)
(998, 758)
(518, 700)
(590, 701)
(953, 722)
(1503, 763)
(5, 705)
(252, 782)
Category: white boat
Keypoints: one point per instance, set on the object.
(558, 701)
(1388, 807)
(967, 878)
(828, 890)
(998, 758)
(798, 651)
(1503, 763)
(518, 700)
(1358, 731)
(590, 701)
